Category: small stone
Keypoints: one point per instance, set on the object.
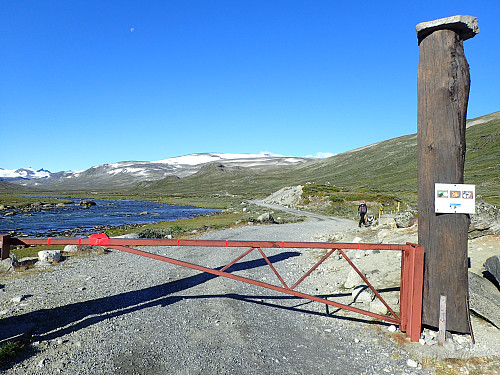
(392, 328)
(412, 363)
(49, 255)
(41, 363)
(17, 299)
(421, 341)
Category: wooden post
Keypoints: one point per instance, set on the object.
(442, 321)
(4, 247)
(443, 93)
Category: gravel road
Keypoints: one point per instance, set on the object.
(123, 314)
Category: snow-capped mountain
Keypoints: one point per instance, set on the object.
(129, 173)
(23, 174)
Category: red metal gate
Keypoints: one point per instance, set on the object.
(412, 261)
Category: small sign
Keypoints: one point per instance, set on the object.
(455, 199)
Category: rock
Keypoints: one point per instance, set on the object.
(387, 222)
(353, 279)
(266, 217)
(49, 255)
(27, 261)
(87, 203)
(486, 220)
(404, 219)
(82, 248)
(484, 299)
(288, 196)
(70, 248)
(377, 307)
(362, 293)
(412, 363)
(465, 26)
(492, 265)
(7, 265)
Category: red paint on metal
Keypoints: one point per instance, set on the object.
(411, 268)
(100, 239)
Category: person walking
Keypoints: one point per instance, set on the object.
(362, 209)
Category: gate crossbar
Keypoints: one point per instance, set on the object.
(409, 319)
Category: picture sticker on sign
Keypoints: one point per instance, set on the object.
(442, 194)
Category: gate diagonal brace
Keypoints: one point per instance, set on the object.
(254, 282)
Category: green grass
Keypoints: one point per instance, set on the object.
(11, 350)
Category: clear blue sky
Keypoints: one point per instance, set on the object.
(85, 83)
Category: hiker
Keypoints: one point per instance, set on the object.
(362, 209)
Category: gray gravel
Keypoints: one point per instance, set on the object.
(123, 314)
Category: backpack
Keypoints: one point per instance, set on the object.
(362, 208)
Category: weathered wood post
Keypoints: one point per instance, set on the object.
(4, 247)
(443, 93)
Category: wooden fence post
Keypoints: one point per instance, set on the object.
(4, 247)
(443, 94)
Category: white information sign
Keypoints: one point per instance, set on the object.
(455, 199)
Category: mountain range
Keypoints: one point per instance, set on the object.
(127, 174)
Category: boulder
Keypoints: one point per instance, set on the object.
(404, 219)
(49, 256)
(266, 217)
(387, 222)
(486, 221)
(492, 265)
(353, 279)
(484, 299)
(87, 203)
(362, 293)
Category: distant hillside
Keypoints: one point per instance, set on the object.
(11, 188)
(127, 174)
(388, 166)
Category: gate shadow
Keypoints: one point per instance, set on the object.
(52, 323)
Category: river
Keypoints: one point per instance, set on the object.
(75, 219)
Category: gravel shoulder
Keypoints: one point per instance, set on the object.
(124, 314)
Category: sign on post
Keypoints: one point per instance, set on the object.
(455, 198)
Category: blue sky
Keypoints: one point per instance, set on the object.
(91, 82)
